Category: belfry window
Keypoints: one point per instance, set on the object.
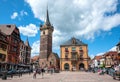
(44, 32)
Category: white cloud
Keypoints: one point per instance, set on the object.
(35, 48)
(82, 18)
(22, 13)
(91, 56)
(19, 15)
(14, 15)
(100, 54)
(30, 30)
(113, 49)
(79, 18)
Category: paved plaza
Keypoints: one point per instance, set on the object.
(63, 77)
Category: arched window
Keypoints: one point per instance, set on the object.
(66, 66)
(81, 66)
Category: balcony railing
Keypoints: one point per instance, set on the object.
(74, 59)
(66, 51)
(66, 59)
(73, 52)
(81, 51)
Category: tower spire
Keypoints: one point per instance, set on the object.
(47, 18)
(27, 42)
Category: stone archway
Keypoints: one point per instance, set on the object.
(66, 66)
(81, 66)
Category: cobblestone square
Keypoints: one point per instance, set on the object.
(63, 77)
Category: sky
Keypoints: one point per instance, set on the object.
(95, 22)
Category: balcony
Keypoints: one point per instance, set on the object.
(66, 51)
(73, 52)
(81, 57)
(74, 59)
(81, 51)
(66, 59)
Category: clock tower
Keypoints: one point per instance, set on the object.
(46, 31)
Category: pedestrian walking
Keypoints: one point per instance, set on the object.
(42, 71)
(51, 71)
(34, 73)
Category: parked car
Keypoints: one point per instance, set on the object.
(11, 72)
(0, 73)
(111, 71)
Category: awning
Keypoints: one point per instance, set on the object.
(107, 66)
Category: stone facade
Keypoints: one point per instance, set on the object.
(53, 60)
(74, 55)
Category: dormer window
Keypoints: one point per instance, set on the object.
(73, 41)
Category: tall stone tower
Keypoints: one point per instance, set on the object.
(45, 41)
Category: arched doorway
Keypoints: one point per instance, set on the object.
(66, 66)
(81, 66)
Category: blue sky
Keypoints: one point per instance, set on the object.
(95, 22)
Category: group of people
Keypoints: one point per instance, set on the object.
(38, 71)
(41, 71)
(117, 72)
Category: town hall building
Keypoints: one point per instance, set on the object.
(74, 55)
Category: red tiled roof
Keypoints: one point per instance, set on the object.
(35, 58)
(110, 53)
(98, 57)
